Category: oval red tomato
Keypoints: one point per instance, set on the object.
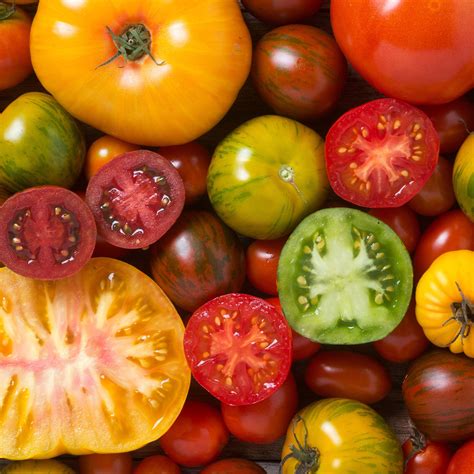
(463, 460)
(281, 12)
(233, 466)
(424, 456)
(106, 464)
(157, 465)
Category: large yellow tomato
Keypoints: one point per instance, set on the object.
(445, 301)
(151, 72)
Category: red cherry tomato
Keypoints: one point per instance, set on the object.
(157, 465)
(233, 466)
(197, 436)
(425, 457)
(282, 12)
(403, 221)
(105, 464)
(262, 264)
(266, 421)
(463, 459)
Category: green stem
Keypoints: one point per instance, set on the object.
(6, 11)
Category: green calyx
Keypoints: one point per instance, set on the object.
(6, 11)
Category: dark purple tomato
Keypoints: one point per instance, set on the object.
(282, 12)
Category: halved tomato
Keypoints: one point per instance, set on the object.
(381, 154)
(239, 348)
(89, 363)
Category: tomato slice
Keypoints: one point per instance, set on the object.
(135, 198)
(89, 363)
(239, 348)
(381, 154)
(47, 233)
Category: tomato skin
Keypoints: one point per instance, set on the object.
(106, 464)
(299, 71)
(266, 421)
(282, 12)
(406, 342)
(403, 221)
(450, 231)
(157, 465)
(233, 466)
(430, 458)
(463, 177)
(348, 375)
(398, 47)
(197, 436)
(463, 460)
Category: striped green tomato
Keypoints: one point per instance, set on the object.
(463, 177)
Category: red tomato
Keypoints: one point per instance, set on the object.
(463, 459)
(233, 466)
(192, 162)
(15, 61)
(262, 264)
(266, 421)
(157, 465)
(450, 231)
(403, 221)
(197, 436)
(437, 195)
(406, 342)
(299, 71)
(425, 457)
(381, 154)
(348, 375)
(282, 12)
(106, 464)
(418, 51)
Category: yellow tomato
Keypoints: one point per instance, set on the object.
(151, 72)
(445, 301)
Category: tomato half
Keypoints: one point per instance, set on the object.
(463, 460)
(99, 366)
(281, 12)
(233, 466)
(425, 456)
(120, 463)
(463, 177)
(157, 465)
(381, 154)
(239, 348)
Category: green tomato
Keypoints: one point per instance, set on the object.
(267, 175)
(463, 177)
(344, 277)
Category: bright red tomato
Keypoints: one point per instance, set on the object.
(403, 221)
(425, 456)
(282, 12)
(262, 264)
(406, 342)
(157, 465)
(381, 154)
(197, 436)
(463, 460)
(450, 231)
(437, 195)
(192, 162)
(106, 464)
(233, 466)
(266, 421)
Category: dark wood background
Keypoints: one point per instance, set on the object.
(249, 105)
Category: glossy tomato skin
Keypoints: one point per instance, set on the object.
(282, 12)
(157, 465)
(463, 460)
(450, 231)
(106, 464)
(403, 221)
(233, 466)
(398, 47)
(266, 421)
(430, 457)
(348, 375)
(197, 437)
(463, 177)
(198, 259)
(299, 71)
(15, 65)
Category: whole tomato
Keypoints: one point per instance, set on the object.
(157, 465)
(424, 456)
(463, 459)
(233, 466)
(106, 464)
(282, 12)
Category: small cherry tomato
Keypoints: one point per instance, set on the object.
(233, 466)
(282, 12)
(425, 457)
(157, 465)
(197, 436)
(463, 460)
(106, 464)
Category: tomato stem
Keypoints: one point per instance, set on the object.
(463, 314)
(6, 11)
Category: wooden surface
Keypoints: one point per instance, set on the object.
(247, 106)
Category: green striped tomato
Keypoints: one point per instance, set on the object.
(463, 177)
(40, 143)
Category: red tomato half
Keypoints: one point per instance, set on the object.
(106, 464)
(463, 460)
(426, 457)
(239, 348)
(381, 154)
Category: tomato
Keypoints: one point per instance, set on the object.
(267, 175)
(406, 342)
(463, 177)
(281, 12)
(348, 375)
(398, 47)
(342, 255)
(299, 71)
(437, 195)
(450, 231)
(262, 263)
(463, 460)
(233, 466)
(104, 249)
(381, 154)
(100, 358)
(452, 122)
(37, 467)
(198, 259)
(425, 456)
(103, 150)
(48, 233)
(266, 421)
(176, 77)
(157, 465)
(192, 162)
(41, 144)
(135, 198)
(21, 2)
(106, 464)
(239, 348)
(437, 391)
(197, 436)
(342, 433)
(403, 221)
